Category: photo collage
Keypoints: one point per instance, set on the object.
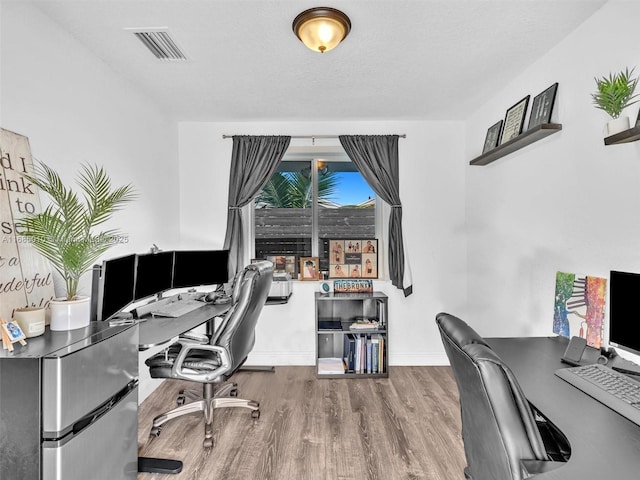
(353, 258)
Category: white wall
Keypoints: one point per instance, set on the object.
(432, 193)
(75, 109)
(566, 203)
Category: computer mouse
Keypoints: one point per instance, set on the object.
(211, 297)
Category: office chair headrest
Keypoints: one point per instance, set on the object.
(458, 331)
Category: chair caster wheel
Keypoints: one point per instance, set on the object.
(233, 393)
(180, 400)
(255, 414)
(155, 431)
(208, 443)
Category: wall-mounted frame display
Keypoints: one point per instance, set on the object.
(309, 268)
(514, 120)
(542, 106)
(357, 258)
(493, 137)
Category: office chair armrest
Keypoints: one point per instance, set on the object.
(530, 468)
(178, 372)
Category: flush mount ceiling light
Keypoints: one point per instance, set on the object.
(321, 28)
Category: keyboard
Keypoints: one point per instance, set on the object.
(176, 309)
(613, 389)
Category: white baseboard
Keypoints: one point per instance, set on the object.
(308, 358)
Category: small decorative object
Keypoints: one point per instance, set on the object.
(309, 269)
(542, 106)
(353, 286)
(357, 258)
(64, 233)
(31, 320)
(325, 288)
(493, 137)
(514, 120)
(614, 94)
(11, 333)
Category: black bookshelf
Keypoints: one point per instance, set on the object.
(525, 138)
(337, 343)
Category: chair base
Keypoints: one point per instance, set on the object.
(224, 396)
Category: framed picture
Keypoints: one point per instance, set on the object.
(356, 258)
(283, 264)
(493, 137)
(309, 268)
(514, 120)
(542, 106)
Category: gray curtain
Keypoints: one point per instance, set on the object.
(254, 159)
(376, 157)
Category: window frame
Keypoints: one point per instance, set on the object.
(315, 155)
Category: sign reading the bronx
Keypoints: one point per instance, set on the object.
(25, 275)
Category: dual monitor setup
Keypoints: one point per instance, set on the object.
(121, 281)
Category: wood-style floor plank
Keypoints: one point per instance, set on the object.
(406, 426)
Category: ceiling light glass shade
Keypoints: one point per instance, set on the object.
(321, 29)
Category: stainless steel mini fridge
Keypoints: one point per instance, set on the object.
(68, 406)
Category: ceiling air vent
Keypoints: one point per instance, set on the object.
(160, 43)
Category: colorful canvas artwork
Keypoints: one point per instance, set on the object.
(579, 307)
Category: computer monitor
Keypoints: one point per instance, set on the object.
(624, 317)
(117, 282)
(154, 274)
(192, 268)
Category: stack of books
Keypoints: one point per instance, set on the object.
(364, 353)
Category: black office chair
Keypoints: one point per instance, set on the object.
(501, 434)
(213, 363)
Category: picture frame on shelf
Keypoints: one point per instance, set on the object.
(353, 258)
(309, 268)
(542, 106)
(493, 137)
(514, 120)
(283, 264)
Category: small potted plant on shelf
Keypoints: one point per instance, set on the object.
(614, 94)
(64, 233)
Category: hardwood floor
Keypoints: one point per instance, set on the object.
(406, 426)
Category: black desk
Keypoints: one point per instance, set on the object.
(158, 330)
(604, 445)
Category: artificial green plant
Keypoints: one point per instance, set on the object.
(615, 92)
(64, 232)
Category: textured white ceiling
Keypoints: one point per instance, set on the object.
(404, 59)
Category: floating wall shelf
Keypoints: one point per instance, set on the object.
(525, 138)
(631, 135)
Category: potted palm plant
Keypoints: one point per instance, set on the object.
(614, 94)
(64, 233)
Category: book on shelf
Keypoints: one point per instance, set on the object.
(364, 325)
(350, 352)
(330, 366)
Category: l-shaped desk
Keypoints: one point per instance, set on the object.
(603, 443)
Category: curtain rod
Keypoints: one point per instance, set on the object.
(313, 137)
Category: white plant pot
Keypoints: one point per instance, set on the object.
(69, 314)
(617, 125)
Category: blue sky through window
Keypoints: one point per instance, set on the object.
(352, 189)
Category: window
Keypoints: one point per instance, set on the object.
(313, 197)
